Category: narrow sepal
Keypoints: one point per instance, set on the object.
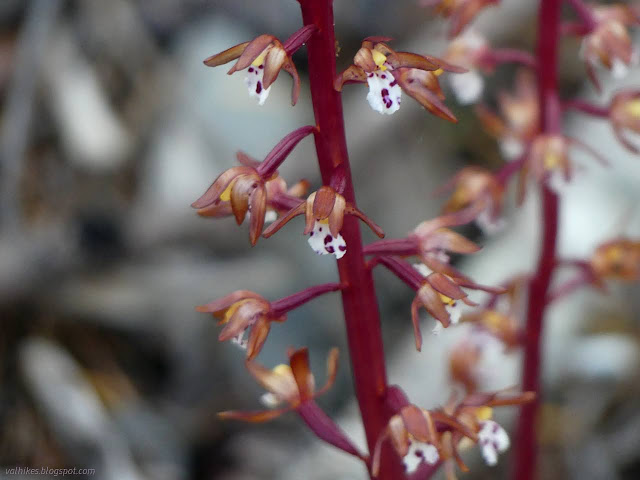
(326, 429)
(225, 302)
(226, 56)
(299, 361)
(353, 74)
(219, 185)
(252, 51)
(281, 221)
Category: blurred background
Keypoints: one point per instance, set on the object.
(110, 126)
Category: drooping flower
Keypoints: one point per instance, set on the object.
(438, 293)
(240, 311)
(475, 412)
(292, 384)
(517, 124)
(624, 113)
(414, 438)
(388, 73)
(433, 240)
(324, 212)
(608, 44)
(243, 310)
(617, 259)
(460, 12)
(251, 186)
(238, 190)
(263, 57)
(442, 296)
(478, 188)
(467, 50)
(501, 325)
(547, 160)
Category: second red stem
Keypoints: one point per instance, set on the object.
(550, 123)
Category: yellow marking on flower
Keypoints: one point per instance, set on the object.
(379, 59)
(484, 413)
(226, 195)
(633, 108)
(552, 160)
(438, 72)
(231, 310)
(614, 254)
(283, 370)
(324, 221)
(460, 198)
(493, 320)
(260, 58)
(447, 300)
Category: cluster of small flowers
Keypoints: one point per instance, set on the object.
(418, 436)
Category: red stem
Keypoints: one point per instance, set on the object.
(358, 297)
(547, 55)
(585, 13)
(509, 55)
(293, 301)
(586, 107)
(582, 279)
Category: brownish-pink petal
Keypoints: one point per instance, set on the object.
(309, 217)
(353, 74)
(290, 68)
(280, 383)
(254, 417)
(257, 337)
(246, 160)
(243, 317)
(258, 202)
(432, 302)
(419, 424)
(275, 59)
(299, 361)
(225, 302)
(364, 60)
(281, 221)
(323, 203)
(332, 371)
(375, 228)
(220, 184)
(446, 286)
(216, 210)
(242, 189)
(415, 320)
(336, 217)
(226, 56)
(252, 51)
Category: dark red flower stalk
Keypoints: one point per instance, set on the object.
(550, 123)
(358, 297)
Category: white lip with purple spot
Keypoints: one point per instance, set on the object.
(254, 83)
(384, 92)
(323, 243)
